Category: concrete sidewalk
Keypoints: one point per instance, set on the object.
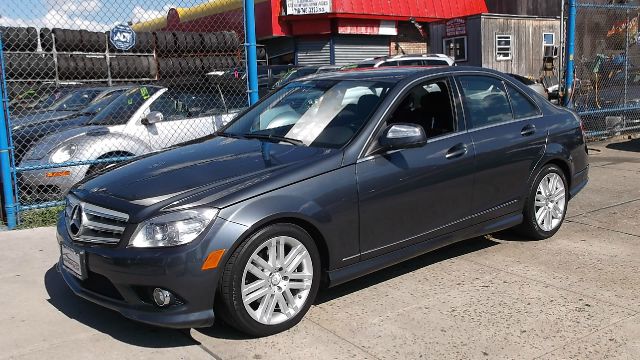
(575, 296)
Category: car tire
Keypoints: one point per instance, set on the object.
(546, 204)
(46, 40)
(244, 310)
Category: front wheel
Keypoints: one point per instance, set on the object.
(546, 204)
(271, 280)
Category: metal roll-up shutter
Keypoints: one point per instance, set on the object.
(313, 52)
(351, 49)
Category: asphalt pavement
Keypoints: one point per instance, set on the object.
(574, 296)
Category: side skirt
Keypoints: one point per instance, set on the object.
(347, 273)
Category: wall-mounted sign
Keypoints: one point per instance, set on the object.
(456, 27)
(122, 37)
(303, 7)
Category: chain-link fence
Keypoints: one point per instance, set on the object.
(94, 82)
(607, 67)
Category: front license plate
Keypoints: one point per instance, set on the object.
(73, 261)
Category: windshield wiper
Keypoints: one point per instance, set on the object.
(272, 137)
(229, 135)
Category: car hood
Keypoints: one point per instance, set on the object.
(54, 139)
(52, 125)
(39, 118)
(214, 172)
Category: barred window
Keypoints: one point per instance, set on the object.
(503, 47)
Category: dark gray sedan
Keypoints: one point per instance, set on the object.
(327, 179)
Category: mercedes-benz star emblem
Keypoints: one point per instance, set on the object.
(75, 221)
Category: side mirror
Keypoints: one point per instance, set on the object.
(402, 136)
(152, 118)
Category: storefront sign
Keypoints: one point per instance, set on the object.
(456, 27)
(303, 7)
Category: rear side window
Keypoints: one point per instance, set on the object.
(522, 106)
(437, 62)
(485, 100)
(411, 62)
(389, 63)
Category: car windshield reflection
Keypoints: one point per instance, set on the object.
(317, 113)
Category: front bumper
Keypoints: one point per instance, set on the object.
(40, 185)
(122, 279)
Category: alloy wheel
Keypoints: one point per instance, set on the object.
(276, 280)
(550, 202)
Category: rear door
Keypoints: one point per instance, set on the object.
(509, 138)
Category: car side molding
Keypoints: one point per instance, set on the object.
(362, 268)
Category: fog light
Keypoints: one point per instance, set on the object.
(161, 297)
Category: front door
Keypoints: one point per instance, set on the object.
(414, 194)
(186, 116)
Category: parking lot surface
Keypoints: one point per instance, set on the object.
(574, 296)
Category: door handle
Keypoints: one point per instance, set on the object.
(456, 151)
(528, 130)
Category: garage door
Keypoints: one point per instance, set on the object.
(313, 52)
(351, 49)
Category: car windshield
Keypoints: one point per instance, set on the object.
(317, 113)
(76, 100)
(54, 97)
(98, 105)
(120, 110)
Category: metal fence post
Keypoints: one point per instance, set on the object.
(5, 159)
(571, 42)
(250, 50)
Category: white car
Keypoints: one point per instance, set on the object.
(140, 121)
(405, 60)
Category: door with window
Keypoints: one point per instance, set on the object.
(508, 135)
(418, 181)
(186, 116)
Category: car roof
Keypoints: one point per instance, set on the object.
(395, 74)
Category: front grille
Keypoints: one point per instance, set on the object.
(94, 224)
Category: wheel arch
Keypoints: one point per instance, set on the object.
(313, 231)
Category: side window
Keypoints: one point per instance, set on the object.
(389, 63)
(437, 63)
(428, 105)
(522, 106)
(412, 62)
(170, 108)
(485, 100)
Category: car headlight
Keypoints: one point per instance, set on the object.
(63, 153)
(172, 229)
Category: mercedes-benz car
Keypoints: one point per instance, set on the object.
(327, 179)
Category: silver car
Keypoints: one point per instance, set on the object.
(140, 121)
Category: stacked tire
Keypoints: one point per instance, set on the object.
(181, 43)
(133, 67)
(19, 38)
(27, 66)
(78, 41)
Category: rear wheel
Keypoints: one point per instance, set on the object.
(271, 280)
(546, 204)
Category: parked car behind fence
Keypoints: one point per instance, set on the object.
(144, 119)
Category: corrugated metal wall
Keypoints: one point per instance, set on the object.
(351, 49)
(527, 43)
(313, 51)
